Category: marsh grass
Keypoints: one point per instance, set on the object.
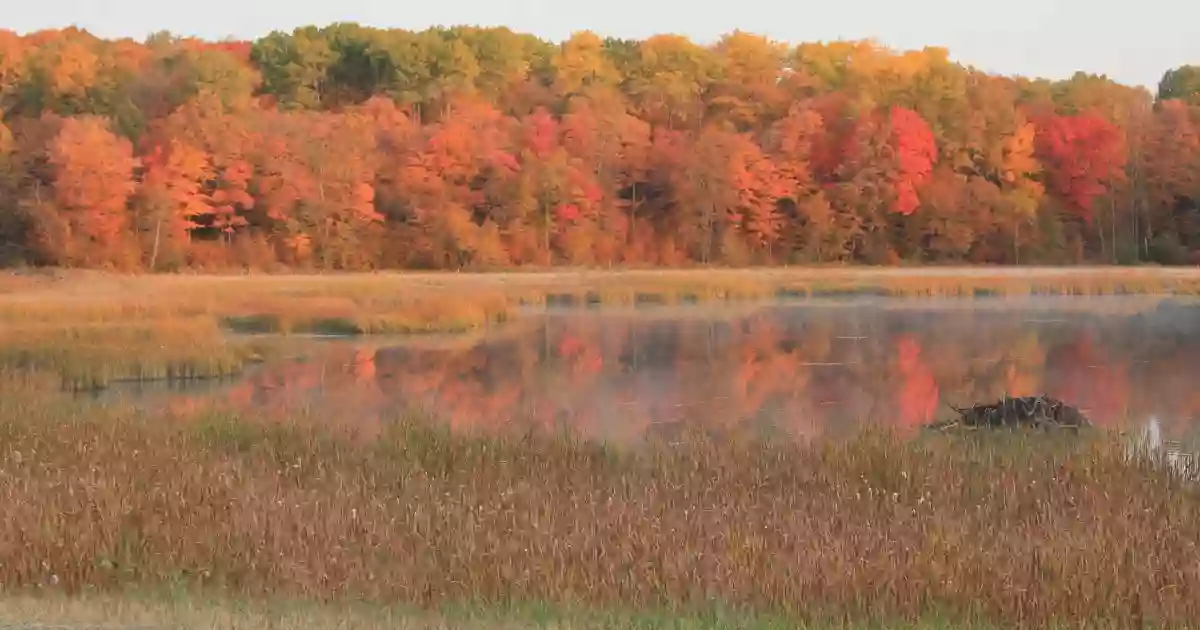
(98, 329)
(1017, 531)
(87, 356)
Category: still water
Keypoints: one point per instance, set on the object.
(802, 369)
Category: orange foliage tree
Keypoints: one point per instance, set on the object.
(86, 220)
(353, 147)
(172, 193)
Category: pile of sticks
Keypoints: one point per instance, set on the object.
(1040, 412)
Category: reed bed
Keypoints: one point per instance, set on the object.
(475, 299)
(1021, 532)
(92, 355)
(94, 329)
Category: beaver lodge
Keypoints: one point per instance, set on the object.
(1039, 412)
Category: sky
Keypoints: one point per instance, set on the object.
(1133, 43)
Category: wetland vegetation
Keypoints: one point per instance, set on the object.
(547, 514)
(872, 527)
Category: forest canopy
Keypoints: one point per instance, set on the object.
(348, 147)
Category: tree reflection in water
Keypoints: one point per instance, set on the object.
(800, 371)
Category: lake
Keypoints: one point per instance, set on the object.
(801, 369)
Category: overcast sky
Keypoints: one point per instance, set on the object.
(1132, 42)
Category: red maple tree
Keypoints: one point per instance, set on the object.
(915, 154)
(1084, 154)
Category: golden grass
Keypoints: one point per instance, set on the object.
(1020, 533)
(90, 355)
(95, 327)
(295, 295)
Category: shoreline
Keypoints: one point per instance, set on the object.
(95, 327)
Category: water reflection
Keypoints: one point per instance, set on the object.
(1174, 455)
(799, 370)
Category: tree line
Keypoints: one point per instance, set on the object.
(348, 147)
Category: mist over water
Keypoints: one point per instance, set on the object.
(798, 370)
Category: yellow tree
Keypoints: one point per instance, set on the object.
(580, 63)
(12, 64)
(62, 67)
(670, 79)
(747, 91)
(1018, 173)
(989, 189)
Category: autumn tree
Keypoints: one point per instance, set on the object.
(747, 91)
(60, 73)
(914, 153)
(350, 146)
(506, 61)
(1172, 172)
(757, 188)
(84, 219)
(13, 52)
(319, 186)
(670, 79)
(453, 73)
(613, 145)
(883, 159)
(172, 194)
(1085, 93)
(560, 193)
(1083, 155)
(804, 152)
(581, 63)
(725, 197)
(985, 201)
(822, 68)
(185, 70)
(230, 135)
(1009, 181)
(451, 181)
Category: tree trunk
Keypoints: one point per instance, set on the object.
(1016, 243)
(154, 249)
(1112, 211)
(546, 229)
(632, 209)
